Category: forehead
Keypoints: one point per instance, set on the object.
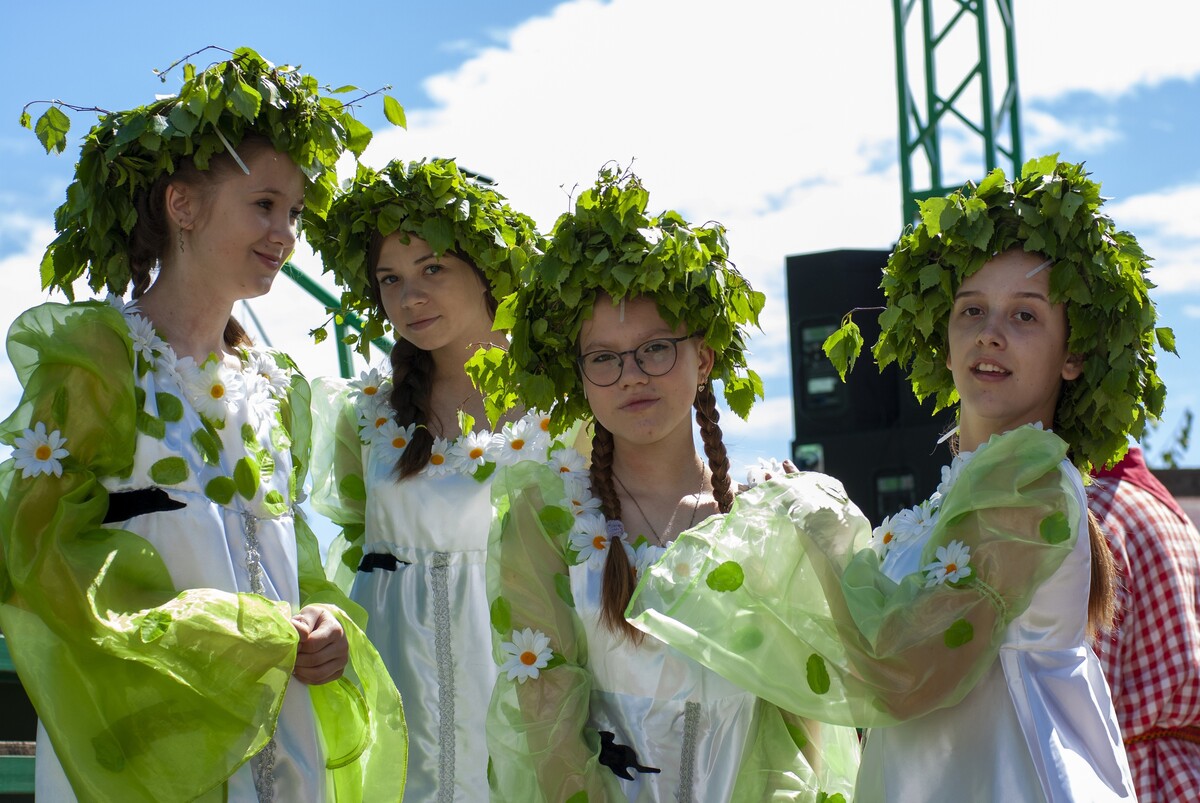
(1011, 271)
(626, 323)
(271, 170)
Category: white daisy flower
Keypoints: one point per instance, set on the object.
(260, 396)
(583, 504)
(213, 388)
(39, 453)
(264, 366)
(115, 301)
(528, 653)
(439, 459)
(540, 420)
(682, 564)
(166, 364)
(895, 528)
(589, 537)
(373, 414)
(522, 440)
(391, 435)
(369, 384)
(570, 464)
(644, 556)
(145, 339)
(473, 450)
(950, 566)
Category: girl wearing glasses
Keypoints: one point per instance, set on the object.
(398, 461)
(625, 322)
(958, 630)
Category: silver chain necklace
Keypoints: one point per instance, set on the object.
(658, 540)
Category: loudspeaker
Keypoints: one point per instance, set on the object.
(869, 432)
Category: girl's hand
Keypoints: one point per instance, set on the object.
(766, 469)
(324, 650)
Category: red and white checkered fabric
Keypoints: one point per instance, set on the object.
(1152, 657)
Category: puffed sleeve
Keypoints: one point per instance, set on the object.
(541, 748)
(781, 597)
(339, 492)
(147, 693)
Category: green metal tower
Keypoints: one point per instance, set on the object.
(947, 43)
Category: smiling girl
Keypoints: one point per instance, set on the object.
(958, 629)
(398, 462)
(626, 322)
(163, 601)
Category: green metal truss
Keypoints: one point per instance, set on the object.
(969, 108)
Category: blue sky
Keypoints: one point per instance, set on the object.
(778, 119)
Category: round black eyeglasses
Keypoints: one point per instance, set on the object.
(655, 357)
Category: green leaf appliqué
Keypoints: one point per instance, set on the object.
(726, 577)
(1054, 528)
(817, 674)
(169, 471)
(958, 634)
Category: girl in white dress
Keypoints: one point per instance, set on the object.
(399, 463)
(163, 599)
(626, 321)
(958, 629)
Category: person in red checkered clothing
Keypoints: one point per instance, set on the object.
(1152, 654)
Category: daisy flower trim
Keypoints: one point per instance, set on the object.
(528, 653)
(37, 452)
(951, 565)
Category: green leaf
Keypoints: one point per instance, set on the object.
(562, 587)
(579, 797)
(169, 471)
(1166, 339)
(746, 639)
(1055, 528)
(246, 477)
(501, 613)
(221, 490)
(275, 503)
(170, 408)
(52, 128)
(150, 425)
(25, 120)
(726, 577)
(799, 738)
(817, 674)
(154, 626)
(483, 472)
(556, 520)
(359, 136)
(394, 112)
(842, 347)
(352, 487)
(958, 634)
(208, 445)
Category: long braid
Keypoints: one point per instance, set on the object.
(618, 582)
(412, 391)
(707, 417)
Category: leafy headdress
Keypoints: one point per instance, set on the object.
(449, 208)
(127, 151)
(1099, 273)
(609, 245)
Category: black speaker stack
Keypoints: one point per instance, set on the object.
(869, 432)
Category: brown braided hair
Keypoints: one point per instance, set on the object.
(618, 582)
(412, 372)
(150, 241)
(1102, 595)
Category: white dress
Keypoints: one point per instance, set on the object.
(604, 715)
(420, 549)
(151, 564)
(955, 631)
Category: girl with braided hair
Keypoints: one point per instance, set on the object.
(958, 630)
(625, 322)
(398, 462)
(163, 598)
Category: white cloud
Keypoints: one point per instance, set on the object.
(1167, 225)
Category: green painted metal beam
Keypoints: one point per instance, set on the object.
(329, 301)
(971, 103)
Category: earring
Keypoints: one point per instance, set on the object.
(700, 387)
(181, 240)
